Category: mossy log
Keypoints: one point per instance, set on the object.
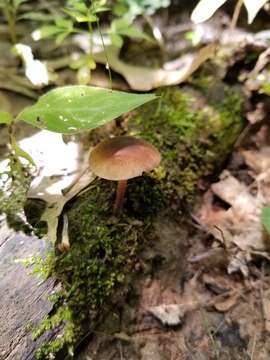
(195, 134)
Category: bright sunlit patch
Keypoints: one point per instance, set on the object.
(58, 163)
(36, 35)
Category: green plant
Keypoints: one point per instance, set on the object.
(16, 177)
(265, 218)
(123, 27)
(10, 10)
(130, 9)
(82, 17)
(77, 12)
(66, 110)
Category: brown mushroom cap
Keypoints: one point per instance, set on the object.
(123, 158)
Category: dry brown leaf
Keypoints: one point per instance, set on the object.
(240, 225)
(236, 194)
(266, 309)
(144, 79)
(212, 258)
(259, 161)
(171, 314)
(217, 284)
(224, 304)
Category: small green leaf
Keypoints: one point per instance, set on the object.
(79, 17)
(119, 24)
(80, 6)
(84, 75)
(61, 37)
(63, 23)
(83, 60)
(45, 32)
(91, 63)
(265, 218)
(23, 154)
(135, 33)
(72, 109)
(31, 15)
(102, 9)
(116, 40)
(5, 117)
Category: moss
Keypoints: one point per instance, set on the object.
(15, 181)
(103, 253)
(193, 136)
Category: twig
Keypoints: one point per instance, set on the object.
(236, 14)
(253, 347)
(120, 350)
(262, 299)
(223, 240)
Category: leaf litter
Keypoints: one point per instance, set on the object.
(239, 240)
(218, 305)
(240, 224)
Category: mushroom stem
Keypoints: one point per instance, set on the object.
(121, 188)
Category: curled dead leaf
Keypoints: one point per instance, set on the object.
(143, 78)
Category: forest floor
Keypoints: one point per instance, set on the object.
(197, 297)
(201, 291)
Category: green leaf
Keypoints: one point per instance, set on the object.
(102, 9)
(5, 117)
(91, 63)
(63, 23)
(72, 109)
(84, 75)
(61, 37)
(79, 17)
(116, 40)
(22, 154)
(45, 32)
(265, 218)
(31, 15)
(119, 9)
(78, 5)
(83, 60)
(17, 3)
(119, 24)
(135, 33)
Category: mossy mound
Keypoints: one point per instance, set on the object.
(103, 253)
(194, 134)
(194, 137)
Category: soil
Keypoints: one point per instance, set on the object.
(167, 277)
(182, 304)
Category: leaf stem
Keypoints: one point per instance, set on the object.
(13, 146)
(106, 55)
(10, 16)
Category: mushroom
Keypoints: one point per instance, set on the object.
(122, 158)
